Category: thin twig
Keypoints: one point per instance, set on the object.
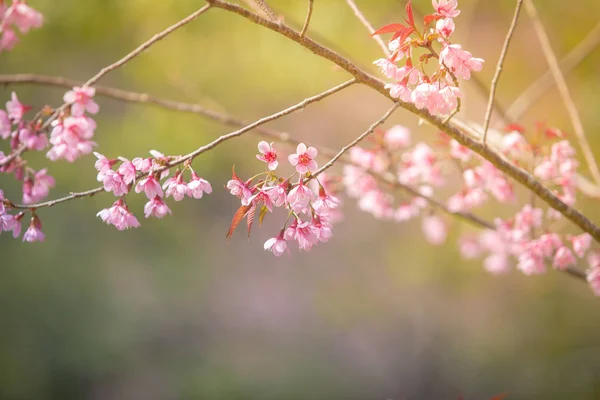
(311, 4)
(509, 35)
(356, 141)
(209, 146)
(544, 83)
(361, 17)
(131, 55)
(563, 89)
(461, 133)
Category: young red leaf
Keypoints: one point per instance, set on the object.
(388, 29)
(233, 175)
(403, 34)
(250, 220)
(409, 12)
(237, 218)
(429, 18)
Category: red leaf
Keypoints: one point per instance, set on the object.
(409, 12)
(233, 175)
(403, 34)
(237, 218)
(388, 29)
(428, 18)
(251, 214)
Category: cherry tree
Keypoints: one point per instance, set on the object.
(388, 172)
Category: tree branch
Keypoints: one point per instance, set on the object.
(196, 153)
(311, 4)
(361, 17)
(509, 35)
(460, 132)
(563, 89)
(544, 83)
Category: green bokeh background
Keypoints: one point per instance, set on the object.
(174, 311)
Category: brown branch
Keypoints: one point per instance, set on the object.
(361, 17)
(462, 134)
(196, 153)
(563, 89)
(356, 141)
(493, 86)
(311, 4)
(544, 83)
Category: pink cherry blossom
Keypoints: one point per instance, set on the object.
(405, 212)
(198, 186)
(5, 125)
(303, 160)
(459, 61)
(156, 207)
(434, 229)
(102, 165)
(564, 258)
(277, 245)
(531, 261)
(323, 229)
(397, 137)
(37, 187)
(240, 190)
(325, 204)
(399, 91)
(387, 67)
(581, 243)
(143, 165)
(127, 171)
(446, 8)
(299, 197)
(150, 186)
(377, 203)
(70, 138)
(9, 222)
(176, 187)
(8, 39)
(593, 278)
(32, 140)
(267, 154)
(114, 182)
(426, 95)
(549, 243)
(34, 232)
(262, 197)
(81, 101)
(277, 194)
(305, 233)
(445, 27)
(23, 16)
(119, 216)
(469, 247)
(16, 109)
(459, 151)
(496, 263)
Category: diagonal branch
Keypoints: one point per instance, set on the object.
(509, 35)
(544, 83)
(461, 133)
(311, 4)
(357, 140)
(203, 149)
(361, 17)
(563, 89)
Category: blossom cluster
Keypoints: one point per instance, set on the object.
(144, 175)
(18, 16)
(437, 91)
(312, 211)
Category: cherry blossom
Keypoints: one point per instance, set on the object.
(303, 160)
(446, 8)
(156, 207)
(150, 186)
(198, 186)
(81, 101)
(16, 110)
(459, 61)
(434, 229)
(267, 154)
(277, 245)
(119, 216)
(34, 232)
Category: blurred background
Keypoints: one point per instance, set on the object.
(174, 311)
